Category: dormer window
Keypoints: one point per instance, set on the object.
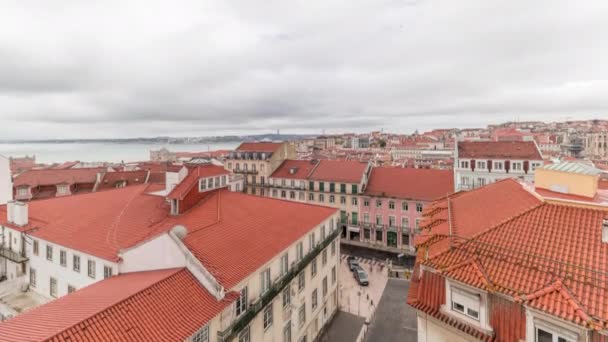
(516, 166)
(605, 230)
(467, 304)
(203, 186)
(62, 189)
(498, 166)
(23, 191)
(481, 164)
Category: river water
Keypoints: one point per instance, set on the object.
(96, 151)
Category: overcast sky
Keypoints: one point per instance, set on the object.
(204, 67)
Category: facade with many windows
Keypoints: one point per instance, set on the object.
(256, 161)
(478, 163)
(392, 204)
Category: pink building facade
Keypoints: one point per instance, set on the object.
(391, 206)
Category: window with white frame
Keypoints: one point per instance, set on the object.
(366, 202)
(324, 257)
(107, 272)
(302, 315)
(323, 233)
(268, 316)
(301, 281)
(300, 250)
(464, 164)
(23, 191)
(71, 288)
(76, 263)
(545, 331)
(245, 335)
(404, 206)
(465, 303)
(333, 275)
(32, 277)
(49, 253)
(284, 263)
(202, 335)
(354, 201)
(481, 164)
(265, 281)
(405, 222)
(498, 165)
(241, 302)
(313, 268)
(286, 296)
(63, 258)
(419, 207)
(287, 332)
(62, 189)
(333, 248)
(378, 203)
(516, 166)
(91, 268)
(332, 199)
(315, 299)
(311, 241)
(53, 287)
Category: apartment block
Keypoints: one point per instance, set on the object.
(189, 261)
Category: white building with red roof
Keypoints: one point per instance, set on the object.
(478, 163)
(199, 263)
(508, 262)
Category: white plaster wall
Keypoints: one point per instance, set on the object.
(158, 253)
(281, 316)
(430, 331)
(65, 275)
(6, 182)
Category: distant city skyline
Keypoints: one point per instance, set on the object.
(157, 68)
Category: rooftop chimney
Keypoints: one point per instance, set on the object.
(17, 213)
(6, 181)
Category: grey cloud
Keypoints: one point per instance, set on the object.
(161, 68)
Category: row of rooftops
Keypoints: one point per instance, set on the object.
(505, 238)
(231, 234)
(398, 182)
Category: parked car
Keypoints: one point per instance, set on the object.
(361, 276)
(352, 263)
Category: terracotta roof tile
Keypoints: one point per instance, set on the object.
(551, 257)
(526, 150)
(410, 183)
(164, 305)
(35, 178)
(302, 169)
(347, 171)
(111, 179)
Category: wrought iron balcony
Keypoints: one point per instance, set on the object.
(12, 255)
(249, 172)
(275, 289)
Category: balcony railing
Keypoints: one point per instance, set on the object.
(275, 289)
(249, 172)
(12, 255)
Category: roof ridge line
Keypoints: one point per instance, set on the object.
(175, 271)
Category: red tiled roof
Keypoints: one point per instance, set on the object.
(258, 147)
(346, 171)
(164, 305)
(526, 150)
(254, 229)
(35, 178)
(110, 179)
(551, 257)
(410, 183)
(99, 223)
(302, 169)
(194, 174)
(473, 212)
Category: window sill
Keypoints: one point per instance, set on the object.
(466, 320)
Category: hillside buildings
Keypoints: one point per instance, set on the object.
(478, 163)
(188, 260)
